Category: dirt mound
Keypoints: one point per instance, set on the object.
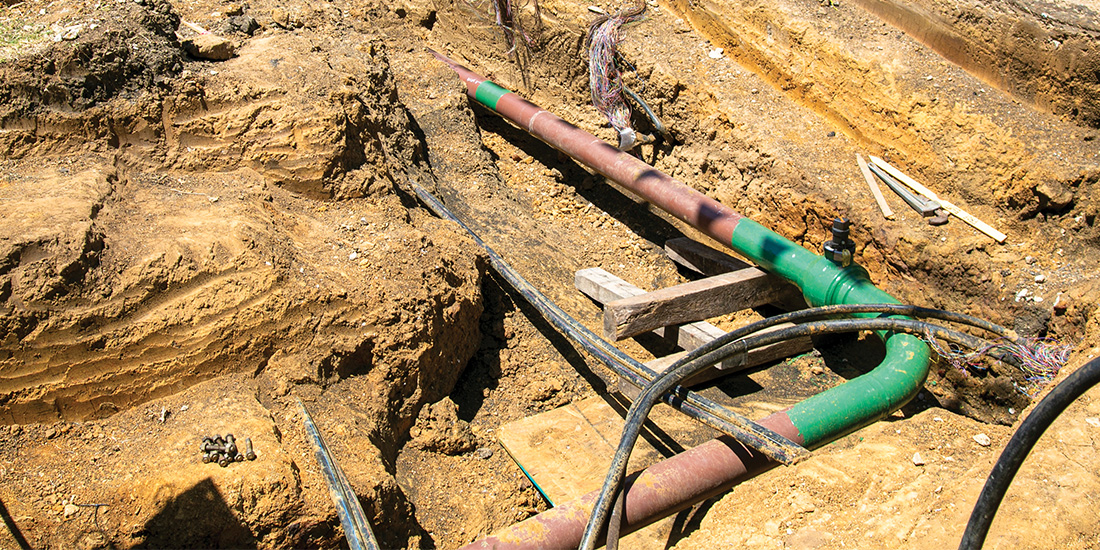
(179, 242)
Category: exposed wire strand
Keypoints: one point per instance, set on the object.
(1039, 359)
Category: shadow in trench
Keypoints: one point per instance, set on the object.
(12, 527)
(636, 214)
(687, 521)
(197, 518)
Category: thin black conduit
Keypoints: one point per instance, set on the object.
(1025, 438)
(711, 414)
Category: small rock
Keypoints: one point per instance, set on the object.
(817, 369)
(1093, 421)
(243, 24)
(484, 453)
(983, 440)
(716, 53)
(830, 133)
(71, 510)
(71, 33)
(1040, 278)
(209, 46)
(918, 460)
(353, 256)
(51, 433)
(937, 419)
(285, 19)
(1029, 259)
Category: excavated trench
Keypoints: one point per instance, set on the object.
(190, 246)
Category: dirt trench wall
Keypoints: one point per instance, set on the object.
(181, 243)
(120, 50)
(1040, 52)
(886, 94)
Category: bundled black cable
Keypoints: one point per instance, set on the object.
(711, 414)
(737, 344)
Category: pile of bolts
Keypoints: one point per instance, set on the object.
(224, 450)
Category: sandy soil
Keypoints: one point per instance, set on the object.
(189, 246)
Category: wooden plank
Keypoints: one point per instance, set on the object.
(708, 261)
(948, 206)
(701, 258)
(566, 452)
(755, 358)
(881, 200)
(604, 287)
(691, 302)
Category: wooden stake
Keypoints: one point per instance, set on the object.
(881, 200)
(954, 210)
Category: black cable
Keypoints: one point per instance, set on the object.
(738, 343)
(822, 312)
(357, 528)
(701, 409)
(1029, 432)
(704, 410)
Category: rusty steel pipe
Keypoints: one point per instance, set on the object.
(715, 466)
(667, 193)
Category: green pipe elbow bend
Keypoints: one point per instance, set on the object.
(860, 401)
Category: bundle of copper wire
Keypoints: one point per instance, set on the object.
(506, 13)
(604, 77)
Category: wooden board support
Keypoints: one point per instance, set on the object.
(701, 258)
(604, 287)
(693, 301)
(708, 261)
(755, 358)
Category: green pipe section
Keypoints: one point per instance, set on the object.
(488, 93)
(854, 404)
(863, 400)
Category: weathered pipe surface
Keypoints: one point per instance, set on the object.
(667, 193)
(713, 467)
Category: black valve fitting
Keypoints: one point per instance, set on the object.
(840, 248)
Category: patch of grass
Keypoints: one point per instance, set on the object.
(17, 38)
